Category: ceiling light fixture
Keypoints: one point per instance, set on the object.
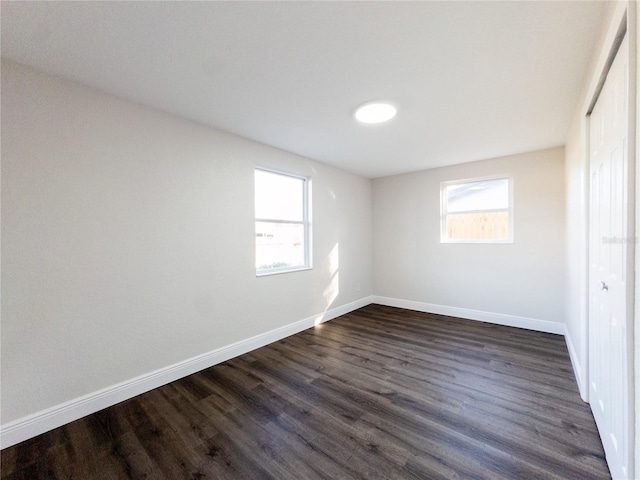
(375, 112)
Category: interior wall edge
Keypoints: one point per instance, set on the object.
(40, 422)
(578, 368)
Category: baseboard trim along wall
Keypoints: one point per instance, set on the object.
(489, 317)
(43, 421)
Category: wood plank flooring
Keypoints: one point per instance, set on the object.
(380, 393)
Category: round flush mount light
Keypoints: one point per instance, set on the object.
(375, 112)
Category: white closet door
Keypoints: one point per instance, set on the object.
(609, 276)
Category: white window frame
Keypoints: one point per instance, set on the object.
(444, 212)
(306, 222)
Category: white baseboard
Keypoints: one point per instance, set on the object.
(489, 317)
(577, 368)
(45, 420)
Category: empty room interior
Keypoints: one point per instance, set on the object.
(300, 240)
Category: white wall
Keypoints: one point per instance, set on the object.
(636, 328)
(525, 279)
(577, 254)
(128, 241)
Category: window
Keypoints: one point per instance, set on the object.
(282, 222)
(477, 211)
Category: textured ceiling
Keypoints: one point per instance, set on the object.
(471, 80)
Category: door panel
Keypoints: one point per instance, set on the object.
(610, 241)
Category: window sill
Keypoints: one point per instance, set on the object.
(478, 242)
(278, 271)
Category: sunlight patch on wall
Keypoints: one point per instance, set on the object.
(333, 288)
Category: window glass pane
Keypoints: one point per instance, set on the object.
(482, 195)
(279, 245)
(478, 226)
(279, 197)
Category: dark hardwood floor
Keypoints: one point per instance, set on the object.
(378, 393)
